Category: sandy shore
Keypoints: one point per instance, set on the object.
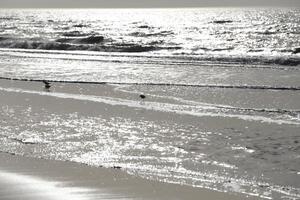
(23, 178)
(31, 179)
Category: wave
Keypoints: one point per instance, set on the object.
(9, 18)
(145, 27)
(213, 49)
(295, 32)
(3, 38)
(252, 87)
(78, 41)
(296, 50)
(222, 21)
(94, 39)
(143, 34)
(90, 43)
(268, 32)
(8, 43)
(257, 50)
(80, 25)
(74, 34)
(286, 63)
(247, 59)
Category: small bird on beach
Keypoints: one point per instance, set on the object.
(142, 96)
(47, 84)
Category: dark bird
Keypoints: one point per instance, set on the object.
(47, 84)
(142, 96)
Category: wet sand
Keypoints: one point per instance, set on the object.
(32, 179)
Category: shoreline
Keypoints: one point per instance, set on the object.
(28, 177)
(30, 114)
(214, 86)
(32, 178)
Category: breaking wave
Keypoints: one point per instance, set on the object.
(90, 43)
(94, 39)
(80, 41)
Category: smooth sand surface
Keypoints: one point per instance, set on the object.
(31, 179)
(25, 178)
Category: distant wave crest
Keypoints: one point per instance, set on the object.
(155, 34)
(222, 21)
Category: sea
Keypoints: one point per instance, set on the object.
(222, 87)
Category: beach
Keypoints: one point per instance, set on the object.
(84, 100)
(32, 178)
(202, 103)
(25, 177)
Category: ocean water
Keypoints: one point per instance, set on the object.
(222, 85)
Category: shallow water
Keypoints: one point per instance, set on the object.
(222, 86)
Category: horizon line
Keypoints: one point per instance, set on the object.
(154, 7)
